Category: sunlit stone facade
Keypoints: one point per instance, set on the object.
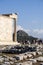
(7, 27)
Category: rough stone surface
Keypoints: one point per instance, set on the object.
(5, 28)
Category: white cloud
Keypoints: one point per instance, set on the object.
(34, 32)
(27, 30)
(21, 28)
(38, 31)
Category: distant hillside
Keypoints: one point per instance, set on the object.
(23, 36)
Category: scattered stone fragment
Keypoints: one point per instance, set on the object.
(7, 63)
(11, 62)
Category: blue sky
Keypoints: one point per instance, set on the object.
(30, 14)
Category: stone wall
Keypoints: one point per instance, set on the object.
(6, 28)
